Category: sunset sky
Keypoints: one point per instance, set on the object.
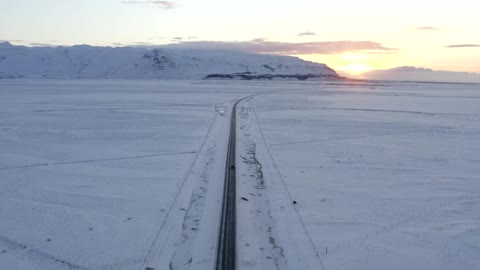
(347, 35)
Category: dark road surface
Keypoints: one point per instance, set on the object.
(227, 248)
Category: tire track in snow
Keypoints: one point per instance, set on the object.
(155, 245)
(183, 258)
(96, 160)
(35, 254)
(270, 248)
(284, 185)
(379, 135)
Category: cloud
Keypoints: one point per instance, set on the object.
(259, 40)
(155, 38)
(142, 43)
(429, 28)
(13, 40)
(306, 34)
(38, 44)
(288, 48)
(160, 4)
(178, 39)
(463, 46)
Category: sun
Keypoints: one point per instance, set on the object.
(356, 68)
(354, 63)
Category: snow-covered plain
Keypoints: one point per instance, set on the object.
(101, 174)
(385, 177)
(128, 174)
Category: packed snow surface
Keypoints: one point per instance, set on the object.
(128, 174)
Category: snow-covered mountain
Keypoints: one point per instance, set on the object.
(90, 62)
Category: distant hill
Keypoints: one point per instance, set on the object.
(89, 62)
(421, 74)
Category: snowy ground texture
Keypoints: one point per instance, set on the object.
(129, 174)
(386, 177)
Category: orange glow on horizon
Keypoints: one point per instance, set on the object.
(355, 63)
(355, 68)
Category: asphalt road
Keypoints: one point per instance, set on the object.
(227, 247)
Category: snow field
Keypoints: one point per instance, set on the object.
(128, 174)
(386, 177)
(109, 174)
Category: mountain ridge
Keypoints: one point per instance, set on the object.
(420, 74)
(93, 62)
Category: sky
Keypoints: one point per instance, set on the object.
(351, 36)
